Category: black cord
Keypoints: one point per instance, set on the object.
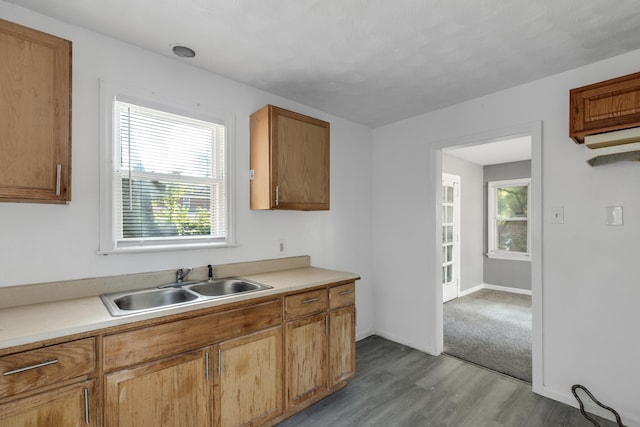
(597, 402)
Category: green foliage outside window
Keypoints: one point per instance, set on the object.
(512, 204)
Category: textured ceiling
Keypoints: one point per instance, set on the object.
(370, 61)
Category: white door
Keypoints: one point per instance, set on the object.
(450, 232)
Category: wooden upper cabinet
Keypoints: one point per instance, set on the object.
(35, 116)
(289, 160)
(603, 107)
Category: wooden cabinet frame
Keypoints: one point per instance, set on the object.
(181, 361)
(248, 379)
(604, 106)
(35, 116)
(185, 377)
(72, 405)
(289, 160)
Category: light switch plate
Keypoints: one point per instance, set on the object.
(614, 215)
(557, 215)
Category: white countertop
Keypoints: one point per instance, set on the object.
(26, 324)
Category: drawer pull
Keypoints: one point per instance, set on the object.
(307, 301)
(347, 292)
(28, 368)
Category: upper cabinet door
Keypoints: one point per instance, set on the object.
(605, 106)
(289, 160)
(35, 116)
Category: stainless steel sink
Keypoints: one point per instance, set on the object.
(123, 303)
(223, 287)
(146, 299)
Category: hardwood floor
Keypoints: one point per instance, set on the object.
(399, 386)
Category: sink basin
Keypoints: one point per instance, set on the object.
(123, 303)
(149, 299)
(223, 287)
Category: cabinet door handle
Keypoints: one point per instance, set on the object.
(277, 194)
(58, 176)
(206, 365)
(28, 368)
(307, 301)
(347, 292)
(86, 406)
(326, 326)
(219, 361)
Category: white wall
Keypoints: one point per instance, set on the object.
(42, 243)
(590, 287)
(471, 219)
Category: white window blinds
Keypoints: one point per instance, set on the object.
(169, 181)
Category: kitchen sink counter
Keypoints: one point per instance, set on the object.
(25, 324)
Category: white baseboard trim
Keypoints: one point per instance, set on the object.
(471, 290)
(495, 288)
(365, 334)
(398, 340)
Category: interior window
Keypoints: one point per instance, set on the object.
(508, 216)
(168, 179)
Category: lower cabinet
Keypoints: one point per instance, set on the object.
(249, 381)
(306, 359)
(173, 392)
(227, 368)
(342, 344)
(69, 406)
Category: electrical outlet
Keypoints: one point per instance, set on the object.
(281, 247)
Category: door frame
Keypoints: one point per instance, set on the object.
(456, 228)
(534, 130)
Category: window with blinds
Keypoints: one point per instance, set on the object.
(169, 178)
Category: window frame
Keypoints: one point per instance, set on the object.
(492, 219)
(108, 241)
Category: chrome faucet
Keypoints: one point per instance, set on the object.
(181, 274)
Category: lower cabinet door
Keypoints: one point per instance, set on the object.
(249, 381)
(70, 406)
(174, 392)
(342, 344)
(306, 359)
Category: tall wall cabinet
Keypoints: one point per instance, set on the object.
(35, 115)
(289, 160)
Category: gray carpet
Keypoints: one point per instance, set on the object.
(491, 329)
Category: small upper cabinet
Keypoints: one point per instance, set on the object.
(35, 116)
(605, 106)
(289, 160)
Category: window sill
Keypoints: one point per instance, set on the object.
(165, 248)
(509, 256)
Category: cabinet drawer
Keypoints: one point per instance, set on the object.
(153, 342)
(340, 296)
(45, 366)
(306, 303)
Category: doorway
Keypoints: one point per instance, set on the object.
(477, 291)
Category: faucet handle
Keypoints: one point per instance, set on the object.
(181, 273)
